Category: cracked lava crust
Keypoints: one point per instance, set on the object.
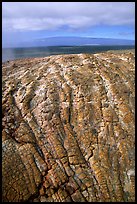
(68, 128)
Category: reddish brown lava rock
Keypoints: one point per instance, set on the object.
(68, 128)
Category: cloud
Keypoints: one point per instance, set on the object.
(27, 16)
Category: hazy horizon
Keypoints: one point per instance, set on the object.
(72, 41)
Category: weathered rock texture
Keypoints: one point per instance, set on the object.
(68, 128)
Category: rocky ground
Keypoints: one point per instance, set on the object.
(68, 128)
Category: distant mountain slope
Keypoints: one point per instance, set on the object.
(76, 41)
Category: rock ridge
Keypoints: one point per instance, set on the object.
(68, 128)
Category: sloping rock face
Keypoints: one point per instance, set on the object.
(68, 128)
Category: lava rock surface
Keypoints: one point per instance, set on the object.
(68, 128)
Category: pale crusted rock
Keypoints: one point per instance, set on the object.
(68, 128)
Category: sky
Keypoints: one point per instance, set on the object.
(24, 21)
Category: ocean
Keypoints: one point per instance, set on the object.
(18, 53)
